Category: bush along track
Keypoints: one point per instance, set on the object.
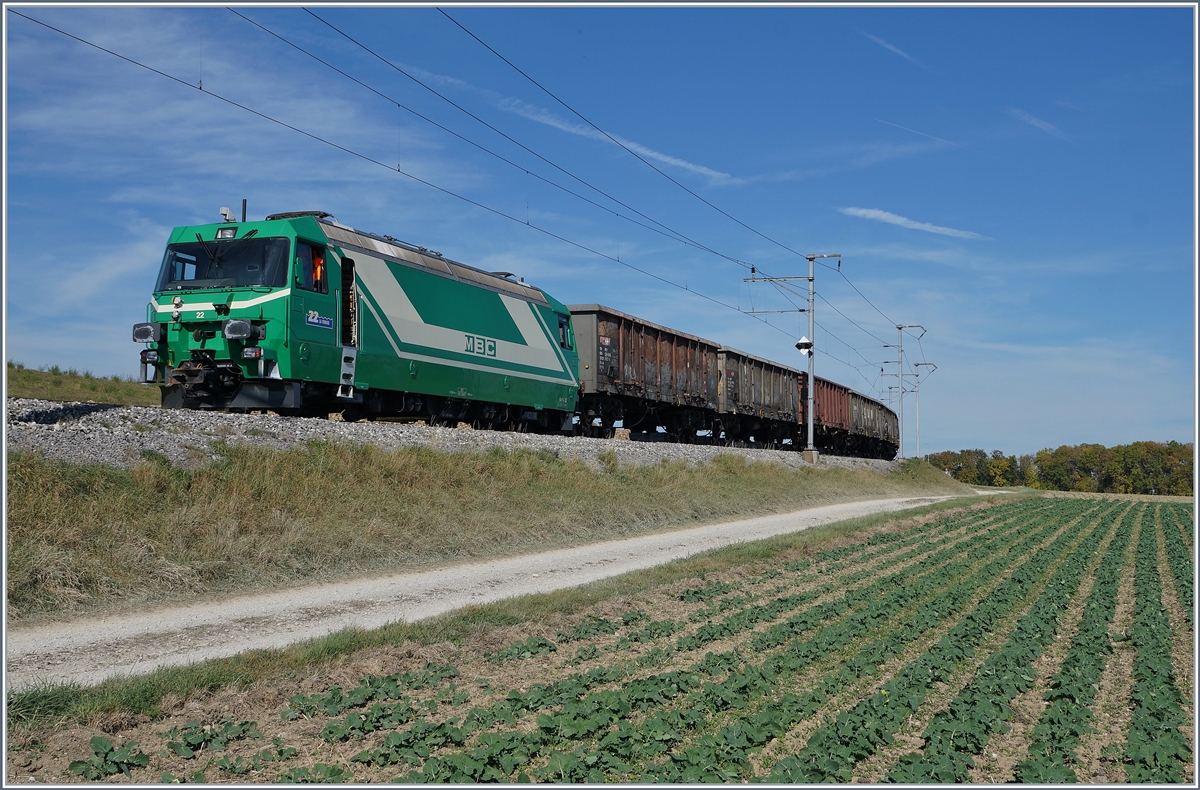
(837, 746)
(1072, 690)
(1156, 750)
(982, 707)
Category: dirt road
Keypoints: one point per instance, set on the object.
(89, 650)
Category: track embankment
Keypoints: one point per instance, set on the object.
(122, 435)
(88, 650)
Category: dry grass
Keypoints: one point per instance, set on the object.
(81, 537)
(473, 629)
(54, 383)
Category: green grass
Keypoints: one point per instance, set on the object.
(54, 383)
(144, 695)
(81, 537)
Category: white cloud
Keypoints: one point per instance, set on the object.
(1036, 122)
(893, 48)
(914, 131)
(544, 116)
(905, 222)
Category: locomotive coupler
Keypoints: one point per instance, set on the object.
(203, 375)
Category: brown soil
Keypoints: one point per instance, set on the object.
(45, 753)
(909, 738)
(1100, 752)
(1005, 750)
(796, 740)
(1181, 647)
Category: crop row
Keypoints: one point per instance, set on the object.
(653, 690)
(929, 614)
(593, 716)
(745, 620)
(881, 543)
(1072, 689)
(407, 747)
(1156, 750)
(982, 707)
(727, 754)
(870, 563)
(1179, 557)
(834, 749)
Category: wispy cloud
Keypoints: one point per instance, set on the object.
(893, 48)
(904, 222)
(914, 131)
(1036, 122)
(544, 116)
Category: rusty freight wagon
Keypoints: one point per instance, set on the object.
(848, 423)
(757, 399)
(642, 374)
(874, 428)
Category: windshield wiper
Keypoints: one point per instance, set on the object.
(230, 248)
(220, 251)
(212, 256)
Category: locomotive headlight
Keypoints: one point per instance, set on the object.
(252, 352)
(237, 329)
(175, 315)
(147, 333)
(149, 355)
(226, 233)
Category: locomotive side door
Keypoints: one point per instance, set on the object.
(314, 313)
(347, 328)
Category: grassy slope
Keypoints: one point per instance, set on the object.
(85, 537)
(71, 385)
(82, 537)
(118, 699)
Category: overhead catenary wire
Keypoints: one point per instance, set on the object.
(633, 153)
(397, 170)
(436, 187)
(661, 230)
(666, 230)
(643, 160)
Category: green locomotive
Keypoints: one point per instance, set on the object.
(303, 315)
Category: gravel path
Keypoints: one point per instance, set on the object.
(88, 650)
(122, 435)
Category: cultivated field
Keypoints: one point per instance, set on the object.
(1037, 640)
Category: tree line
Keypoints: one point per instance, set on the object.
(1137, 468)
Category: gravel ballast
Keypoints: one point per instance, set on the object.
(122, 435)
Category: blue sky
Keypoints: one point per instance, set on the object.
(1018, 181)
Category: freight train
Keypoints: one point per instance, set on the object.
(302, 315)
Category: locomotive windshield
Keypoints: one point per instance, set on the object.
(225, 264)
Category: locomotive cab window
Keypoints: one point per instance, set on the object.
(311, 273)
(240, 262)
(564, 332)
